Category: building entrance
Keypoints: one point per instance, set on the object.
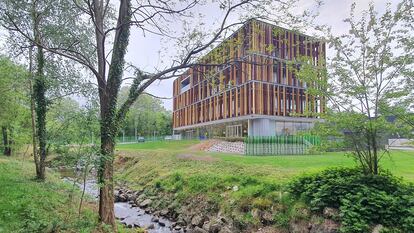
(234, 131)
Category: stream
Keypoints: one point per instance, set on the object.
(124, 211)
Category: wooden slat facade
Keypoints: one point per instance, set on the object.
(256, 78)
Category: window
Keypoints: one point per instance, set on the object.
(238, 73)
(234, 131)
(185, 84)
(276, 104)
(276, 72)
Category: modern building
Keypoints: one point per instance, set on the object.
(248, 86)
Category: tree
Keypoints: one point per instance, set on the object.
(71, 124)
(50, 22)
(146, 116)
(370, 72)
(13, 111)
(71, 131)
(150, 17)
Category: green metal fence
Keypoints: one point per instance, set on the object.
(132, 139)
(280, 145)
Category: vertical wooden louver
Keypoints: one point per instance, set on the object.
(256, 77)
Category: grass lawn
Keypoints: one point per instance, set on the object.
(179, 156)
(399, 163)
(158, 145)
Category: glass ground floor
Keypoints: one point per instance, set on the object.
(247, 127)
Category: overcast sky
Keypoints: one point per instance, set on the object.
(144, 51)
(149, 51)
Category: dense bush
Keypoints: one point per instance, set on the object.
(363, 200)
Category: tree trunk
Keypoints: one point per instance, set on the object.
(375, 152)
(105, 169)
(105, 175)
(108, 94)
(6, 141)
(39, 91)
(39, 95)
(33, 114)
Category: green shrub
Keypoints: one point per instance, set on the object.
(324, 189)
(363, 200)
(369, 205)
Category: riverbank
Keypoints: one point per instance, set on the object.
(218, 192)
(30, 206)
(27, 205)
